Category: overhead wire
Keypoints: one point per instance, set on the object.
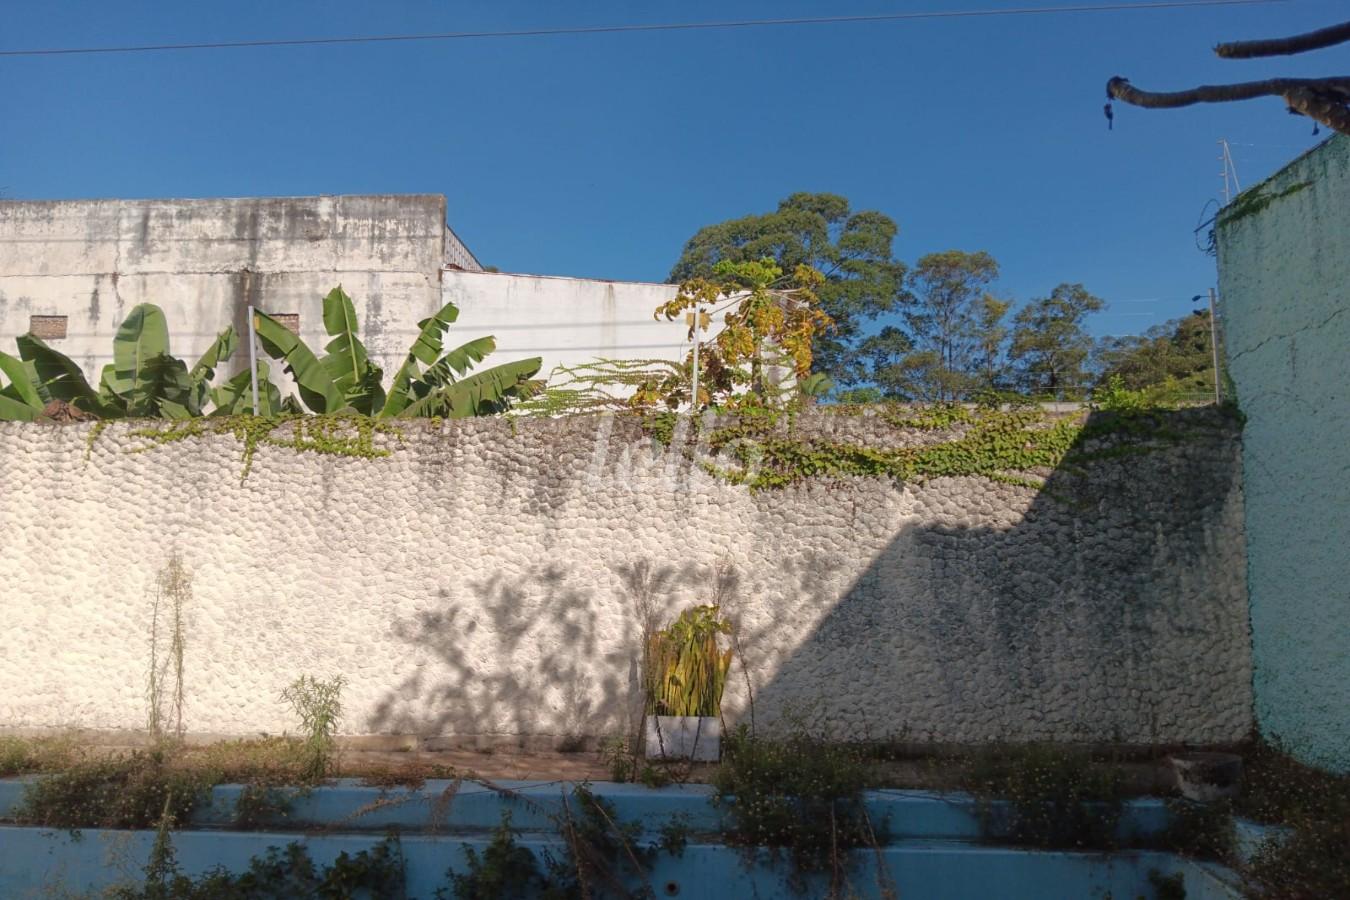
(637, 27)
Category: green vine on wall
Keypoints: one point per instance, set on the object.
(342, 435)
(1016, 445)
(1010, 446)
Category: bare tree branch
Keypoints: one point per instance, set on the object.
(1327, 100)
(1298, 43)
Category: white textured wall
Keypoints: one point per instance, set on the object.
(567, 321)
(486, 579)
(204, 261)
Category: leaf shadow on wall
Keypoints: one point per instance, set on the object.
(1107, 610)
(531, 651)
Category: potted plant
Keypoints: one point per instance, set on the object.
(685, 673)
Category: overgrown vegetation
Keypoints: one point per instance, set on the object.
(504, 869)
(28, 755)
(1018, 445)
(138, 789)
(798, 795)
(1047, 796)
(1201, 830)
(318, 705)
(130, 791)
(1314, 861)
(602, 858)
(281, 874)
(338, 435)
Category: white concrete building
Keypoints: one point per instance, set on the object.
(70, 271)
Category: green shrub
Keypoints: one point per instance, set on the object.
(1115, 397)
(281, 874)
(505, 869)
(133, 791)
(1047, 796)
(798, 794)
(24, 756)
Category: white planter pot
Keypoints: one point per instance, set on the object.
(1207, 777)
(697, 738)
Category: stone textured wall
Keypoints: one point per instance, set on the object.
(1284, 277)
(489, 579)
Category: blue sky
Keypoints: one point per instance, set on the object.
(599, 155)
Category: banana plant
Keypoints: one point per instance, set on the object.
(431, 382)
(19, 399)
(144, 379)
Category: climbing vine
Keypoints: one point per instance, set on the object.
(340, 435)
(1005, 445)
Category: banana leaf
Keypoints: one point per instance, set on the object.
(20, 387)
(142, 336)
(113, 403)
(235, 396)
(459, 361)
(55, 376)
(317, 389)
(12, 410)
(479, 394)
(347, 362)
(425, 351)
(162, 389)
(221, 349)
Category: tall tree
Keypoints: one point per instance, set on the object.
(945, 321)
(886, 355)
(991, 336)
(853, 250)
(1050, 346)
(1173, 361)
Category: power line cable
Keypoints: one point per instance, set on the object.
(621, 29)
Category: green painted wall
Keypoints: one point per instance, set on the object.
(1284, 280)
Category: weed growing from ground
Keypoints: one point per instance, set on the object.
(22, 756)
(319, 707)
(164, 689)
